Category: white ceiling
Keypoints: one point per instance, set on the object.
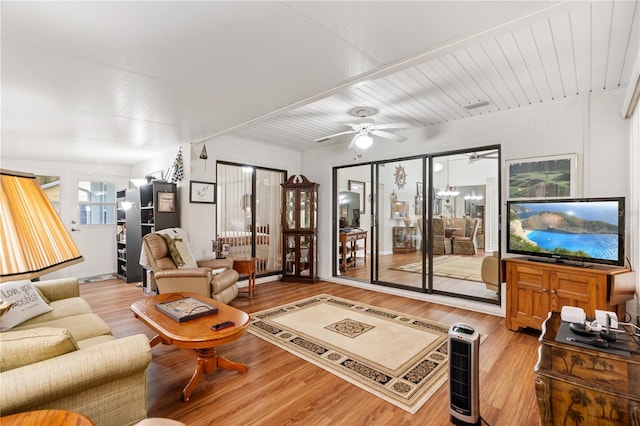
(119, 82)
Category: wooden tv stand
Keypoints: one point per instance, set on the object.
(535, 288)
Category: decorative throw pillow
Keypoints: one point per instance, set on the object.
(180, 252)
(27, 303)
(24, 347)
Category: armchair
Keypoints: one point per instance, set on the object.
(205, 278)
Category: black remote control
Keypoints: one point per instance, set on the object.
(222, 325)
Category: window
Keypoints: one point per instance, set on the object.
(97, 201)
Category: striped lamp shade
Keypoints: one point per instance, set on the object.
(34, 239)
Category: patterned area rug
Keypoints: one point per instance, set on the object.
(399, 358)
(460, 267)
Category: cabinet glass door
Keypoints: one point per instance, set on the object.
(290, 255)
(290, 209)
(305, 209)
(305, 253)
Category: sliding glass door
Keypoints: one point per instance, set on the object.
(248, 214)
(427, 223)
(399, 216)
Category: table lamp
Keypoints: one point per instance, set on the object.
(34, 240)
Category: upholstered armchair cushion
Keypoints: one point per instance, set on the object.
(158, 253)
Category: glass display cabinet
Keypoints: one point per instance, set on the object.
(299, 229)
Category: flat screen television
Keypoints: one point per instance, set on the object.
(577, 230)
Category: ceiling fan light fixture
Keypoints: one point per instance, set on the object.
(364, 141)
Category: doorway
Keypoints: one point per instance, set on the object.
(422, 223)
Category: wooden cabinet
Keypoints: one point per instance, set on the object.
(128, 236)
(159, 209)
(536, 288)
(404, 239)
(299, 229)
(581, 384)
(350, 251)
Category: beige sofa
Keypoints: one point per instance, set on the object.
(68, 359)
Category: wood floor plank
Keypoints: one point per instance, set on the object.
(280, 388)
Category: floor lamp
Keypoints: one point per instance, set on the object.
(33, 237)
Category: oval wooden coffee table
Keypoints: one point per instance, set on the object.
(194, 335)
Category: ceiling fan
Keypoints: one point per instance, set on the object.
(365, 127)
(473, 157)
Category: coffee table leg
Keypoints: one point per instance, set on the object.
(225, 364)
(155, 340)
(208, 362)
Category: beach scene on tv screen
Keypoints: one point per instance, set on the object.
(585, 229)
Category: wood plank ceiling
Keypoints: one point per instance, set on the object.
(587, 48)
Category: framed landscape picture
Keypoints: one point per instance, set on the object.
(542, 177)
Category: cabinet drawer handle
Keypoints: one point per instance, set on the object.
(544, 290)
(553, 292)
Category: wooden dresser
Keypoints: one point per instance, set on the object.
(536, 288)
(584, 385)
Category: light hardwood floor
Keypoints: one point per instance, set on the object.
(387, 273)
(280, 388)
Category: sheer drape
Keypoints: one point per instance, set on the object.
(248, 213)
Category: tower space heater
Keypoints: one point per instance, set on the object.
(464, 343)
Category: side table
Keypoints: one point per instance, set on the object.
(46, 417)
(248, 267)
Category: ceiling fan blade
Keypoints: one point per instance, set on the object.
(387, 135)
(352, 144)
(326, 138)
(392, 126)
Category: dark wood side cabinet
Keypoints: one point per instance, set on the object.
(128, 236)
(536, 288)
(299, 229)
(577, 385)
(404, 239)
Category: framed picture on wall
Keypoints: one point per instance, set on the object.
(359, 187)
(202, 192)
(166, 202)
(542, 177)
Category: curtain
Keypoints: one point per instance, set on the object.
(248, 213)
